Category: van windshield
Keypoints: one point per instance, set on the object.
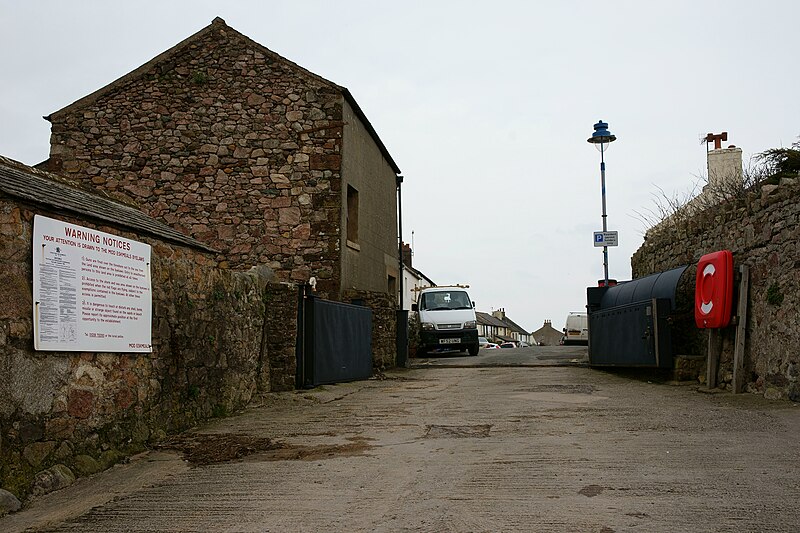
(442, 301)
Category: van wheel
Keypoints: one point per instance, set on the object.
(473, 349)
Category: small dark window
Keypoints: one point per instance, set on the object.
(352, 214)
(391, 284)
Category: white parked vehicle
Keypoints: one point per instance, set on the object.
(447, 319)
(577, 329)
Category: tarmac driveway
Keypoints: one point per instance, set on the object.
(529, 356)
(532, 448)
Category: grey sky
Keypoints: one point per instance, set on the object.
(485, 106)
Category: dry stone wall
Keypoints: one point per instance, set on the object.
(761, 229)
(225, 141)
(85, 411)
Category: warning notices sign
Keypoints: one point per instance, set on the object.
(91, 290)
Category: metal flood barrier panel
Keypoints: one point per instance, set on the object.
(630, 325)
(631, 335)
(336, 343)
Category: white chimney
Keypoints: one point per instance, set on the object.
(724, 166)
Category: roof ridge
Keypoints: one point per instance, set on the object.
(216, 24)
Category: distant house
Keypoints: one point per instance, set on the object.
(497, 327)
(516, 332)
(489, 326)
(547, 335)
(413, 280)
(247, 152)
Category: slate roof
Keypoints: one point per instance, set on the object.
(489, 320)
(514, 327)
(21, 181)
(419, 274)
(219, 24)
(547, 328)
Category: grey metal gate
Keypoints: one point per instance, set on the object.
(630, 324)
(335, 344)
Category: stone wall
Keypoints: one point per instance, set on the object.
(87, 410)
(282, 300)
(227, 142)
(761, 229)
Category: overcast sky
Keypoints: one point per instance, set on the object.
(485, 106)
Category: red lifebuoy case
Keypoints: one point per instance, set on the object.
(713, 294)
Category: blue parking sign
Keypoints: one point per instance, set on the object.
(605, 238)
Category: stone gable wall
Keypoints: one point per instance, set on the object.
(762, 229)
(87, 410)
(230, 144)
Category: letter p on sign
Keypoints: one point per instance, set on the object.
(713, 294)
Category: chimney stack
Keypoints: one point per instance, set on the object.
(724, 166)
(407, 255)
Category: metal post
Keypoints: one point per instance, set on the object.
(603, 137)
(605, 225)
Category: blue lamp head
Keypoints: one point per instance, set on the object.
(601, 134)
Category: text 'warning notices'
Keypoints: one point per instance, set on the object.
(91, 290)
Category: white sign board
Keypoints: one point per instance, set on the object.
(91, 290)
(605, 238)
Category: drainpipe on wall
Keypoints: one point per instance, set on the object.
(400, 235)
(402, 315)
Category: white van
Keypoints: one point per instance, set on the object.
(447, 319)
(577, 329)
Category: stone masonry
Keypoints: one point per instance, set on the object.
(227, 142)
(85, 411)
(384, 325)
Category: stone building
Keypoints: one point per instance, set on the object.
(247, 152)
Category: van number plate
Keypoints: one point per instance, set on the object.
(449, 341)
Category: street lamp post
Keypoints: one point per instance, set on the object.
(601, 138)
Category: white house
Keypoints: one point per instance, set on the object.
(413, 280)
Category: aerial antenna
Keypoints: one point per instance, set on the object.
(412, 243)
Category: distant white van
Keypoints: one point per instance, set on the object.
(577, 329)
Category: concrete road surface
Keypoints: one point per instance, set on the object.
(459, 450)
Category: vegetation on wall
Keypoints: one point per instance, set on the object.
(781, 162)
(774, 294)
